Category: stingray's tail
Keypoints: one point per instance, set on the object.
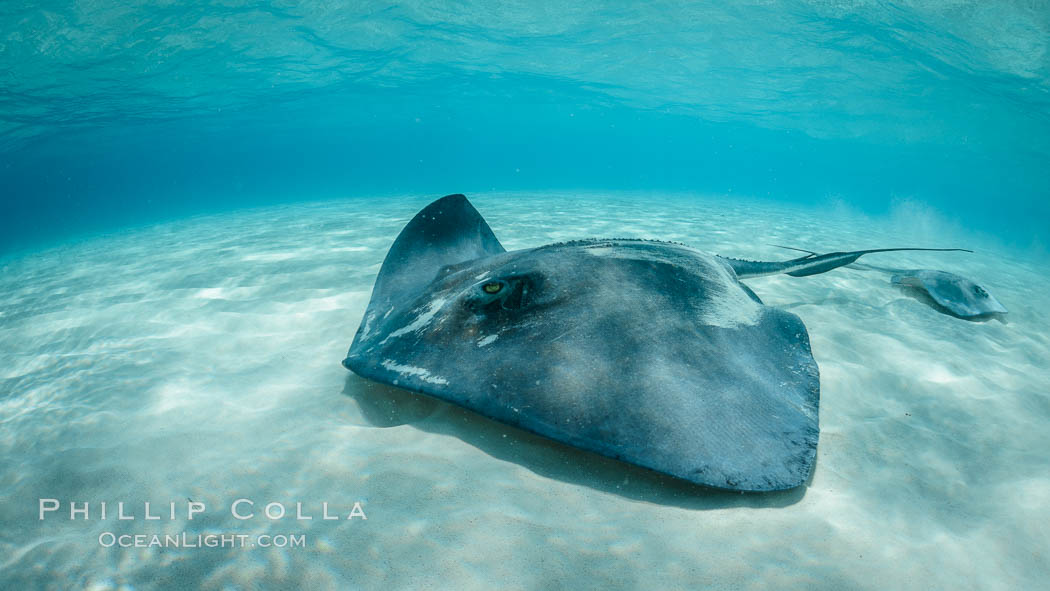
(816, 264)
(929, 249)
(876, 250)
(812, 263)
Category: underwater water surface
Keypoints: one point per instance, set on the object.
(195, 200)
(119, 112)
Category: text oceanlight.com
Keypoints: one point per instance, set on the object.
(185, 540)
(241, 510)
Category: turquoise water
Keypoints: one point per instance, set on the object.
(195, 200)
(123, 113)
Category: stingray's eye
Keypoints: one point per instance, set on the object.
(493, 295)
(977, 289)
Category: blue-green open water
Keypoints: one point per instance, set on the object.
(196, 197)
(116, 113)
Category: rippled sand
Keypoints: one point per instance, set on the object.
(200, 360)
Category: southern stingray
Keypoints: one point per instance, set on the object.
(952, 294)
(650, 352)
(946, 292)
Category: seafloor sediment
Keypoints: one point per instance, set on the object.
(198, 361)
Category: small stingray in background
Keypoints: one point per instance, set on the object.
(952, 294)
(649, 352)
(948, 293)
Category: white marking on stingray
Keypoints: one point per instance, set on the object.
(421, 321)
(670, 254)
(606, 250)
(487, 340)
(731, 308)
(368, 326)
(409, 370)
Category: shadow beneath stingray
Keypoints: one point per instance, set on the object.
(386, 406)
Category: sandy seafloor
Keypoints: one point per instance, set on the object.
(200, 359)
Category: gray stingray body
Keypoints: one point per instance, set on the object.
(649, 352)
(956, 295)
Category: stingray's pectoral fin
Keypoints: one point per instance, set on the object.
(446, 232)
